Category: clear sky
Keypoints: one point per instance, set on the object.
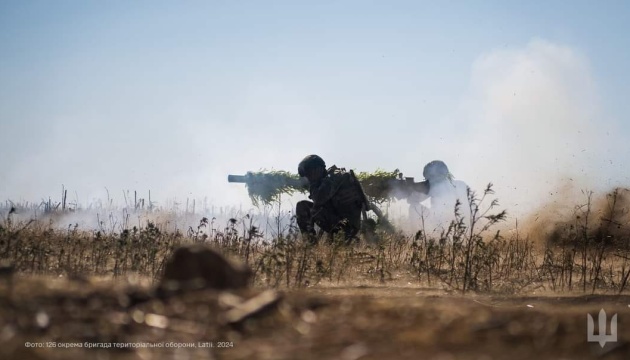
(172, 96)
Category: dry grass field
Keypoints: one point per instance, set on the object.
(76, 294)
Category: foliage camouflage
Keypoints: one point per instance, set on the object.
(267, 186)
(378, 184)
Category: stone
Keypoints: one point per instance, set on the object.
(198, 266)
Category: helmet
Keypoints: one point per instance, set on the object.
(436, 170)
(310, 162)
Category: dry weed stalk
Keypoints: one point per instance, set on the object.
(591, 253)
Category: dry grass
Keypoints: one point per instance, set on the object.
(586, 256)
(399, 297)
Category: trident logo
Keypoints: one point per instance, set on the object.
(602, 337)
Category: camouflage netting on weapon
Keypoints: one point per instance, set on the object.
(267, 186)
(377, 184)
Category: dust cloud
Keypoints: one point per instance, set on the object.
(532, 123)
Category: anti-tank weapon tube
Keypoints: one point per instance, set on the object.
(404, 187)
(267, 187)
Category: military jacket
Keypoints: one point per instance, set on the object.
(338, 189)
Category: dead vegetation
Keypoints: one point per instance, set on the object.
(591, 253)
(399, 297)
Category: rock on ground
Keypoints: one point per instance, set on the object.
(199, 266)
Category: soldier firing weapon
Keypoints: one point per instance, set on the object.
(371, 189)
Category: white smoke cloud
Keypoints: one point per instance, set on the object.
(534, 127)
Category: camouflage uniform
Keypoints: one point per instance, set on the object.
(336, 203)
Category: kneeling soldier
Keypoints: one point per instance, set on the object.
(336, 200)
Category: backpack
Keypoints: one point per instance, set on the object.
(345, 189)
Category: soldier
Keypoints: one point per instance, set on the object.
(443, 193)
(336, 200)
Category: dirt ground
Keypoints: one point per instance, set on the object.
(59, 318)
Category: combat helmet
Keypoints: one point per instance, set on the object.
(436, 170)
(310, 162)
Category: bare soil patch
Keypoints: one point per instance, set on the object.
(349, 322)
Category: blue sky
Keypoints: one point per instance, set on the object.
(172, 96)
